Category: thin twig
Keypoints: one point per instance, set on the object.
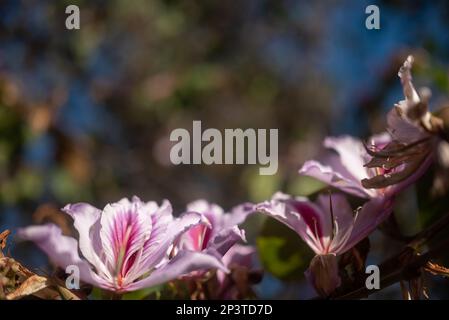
(405, 271)
(405, 265)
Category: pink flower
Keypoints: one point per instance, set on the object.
(355, 171)
(240, 260)
(391, 161)
(219, 236)
(346, 169)
(237, 256)
(329, 227)
(125, 246)
(410, 119)
(220, 230)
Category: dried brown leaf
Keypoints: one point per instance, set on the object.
(23, 282)
(3, 236)
(30, 286)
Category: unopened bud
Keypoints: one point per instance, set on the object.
(323, 274)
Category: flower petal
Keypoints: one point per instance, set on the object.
(352, 154)
(213, 212)
(301, 215)
(62, 250)
(341, 219)
(86, 222)
(125, 226)
(240, 255)
(226, 238)
(158, 245)
(183, 263)
(372, 213)
(404, 120)
(160, 217)
(238, 214)
(222, 231)
(334, 178)
(405, 74)
(401, 128)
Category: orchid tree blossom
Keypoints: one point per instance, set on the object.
(240, 260)
(389, 162)
(346, 169)
(356, 168)
(219, 231)
(329, 226)
(125, 246)
(219, 235)
(414, 137)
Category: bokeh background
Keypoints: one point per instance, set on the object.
(85, 115)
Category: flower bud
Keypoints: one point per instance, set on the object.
(323, 274)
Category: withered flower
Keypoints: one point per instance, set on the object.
(415, 134)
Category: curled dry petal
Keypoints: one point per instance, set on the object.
(347, 169)
(413, 130)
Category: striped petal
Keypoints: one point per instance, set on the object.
(301, 215)
(125, 226)
(183, 263)
(86, 220)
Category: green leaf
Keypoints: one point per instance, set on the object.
(141, 294)
(305, 186)
(260, 187)
(282, 252)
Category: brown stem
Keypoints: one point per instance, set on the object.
(427, 234)
(405, 271)
(110, 295)
(405, 265)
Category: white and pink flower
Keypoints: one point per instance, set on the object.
(329, 226)
(389, 162)
(125, 246)
(220, 230)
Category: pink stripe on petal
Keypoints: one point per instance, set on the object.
(124, 230)
(160, 217)
(309, 215)
(158, 250)
(281, 208)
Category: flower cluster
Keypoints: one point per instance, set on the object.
(133, 244)
(375, 172)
